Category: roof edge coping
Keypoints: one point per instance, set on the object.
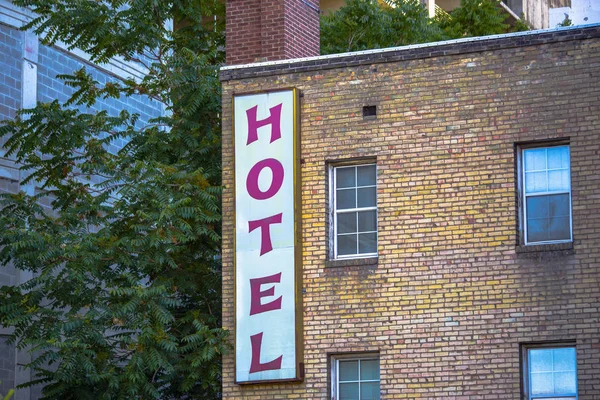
(232, 72)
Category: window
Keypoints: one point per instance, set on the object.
(546, 183)
(550, 372)
(355, 377)
(354, 199)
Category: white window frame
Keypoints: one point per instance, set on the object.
(526, 389)
(524, 196)
(335, 365)
(334, 211)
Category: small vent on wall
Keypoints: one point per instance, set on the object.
(369, 111)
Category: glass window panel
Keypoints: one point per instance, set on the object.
(559, 205)
(369, 370)
(536, 182)
(367, 197)
(540, 360)
(349, 391)
(345, 177)
(348, 370)
(564, 382)
(564, 359)
(366, 175)
(367, 243)
(346, 244)
(558, 180)
(367, 221)
(541, 383)
(537, 207)
(346, 222)
(369, 391)
(558, 157)
(346, 198)
(537, 230)
(555, 398)
(559, 228)
(535, 159)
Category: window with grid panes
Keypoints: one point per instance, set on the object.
(355, 377)
(546, 183)
(550, 373)
(355, 211)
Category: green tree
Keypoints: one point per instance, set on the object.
(565, 22)
(368, 24)
(476, 18)
(124, 299)
(371, 24)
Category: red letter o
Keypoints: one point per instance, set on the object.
(276, 181)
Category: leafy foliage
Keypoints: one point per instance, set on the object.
(565, 22)
(477, 18)
(124, 298)
(371, 24)
(367, 24)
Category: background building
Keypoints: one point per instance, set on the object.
(29, 71)
(449, 218)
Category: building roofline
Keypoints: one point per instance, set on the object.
(411, 52)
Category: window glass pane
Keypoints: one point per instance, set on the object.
(559, 228)
(346, 244)
(367, 221)
(558, 157)
(535, 159)
(345, 177)
(558, 180)
(537, 230)
(346, 222)
(349, 391)
(367, 243)
(348, 370)
(540, 360)
(548, 218)
(537, 207)
(564, 359)
(346, 198)
(355, 189)
(367, 197)
(564, 383)
(369, 370)
(536, 182)
(366, 175)
(369, 391)
(559, 205)
(541, 383)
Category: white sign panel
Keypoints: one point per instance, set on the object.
(264, 129)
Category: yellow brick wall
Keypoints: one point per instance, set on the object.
(450, 298)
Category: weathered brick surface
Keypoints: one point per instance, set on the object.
(266, 30)
(7, 371)
(452, 295)
(11, 43)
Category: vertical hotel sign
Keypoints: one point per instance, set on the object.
(266, 234)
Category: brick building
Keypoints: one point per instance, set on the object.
(28, 75)
(447, 215)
